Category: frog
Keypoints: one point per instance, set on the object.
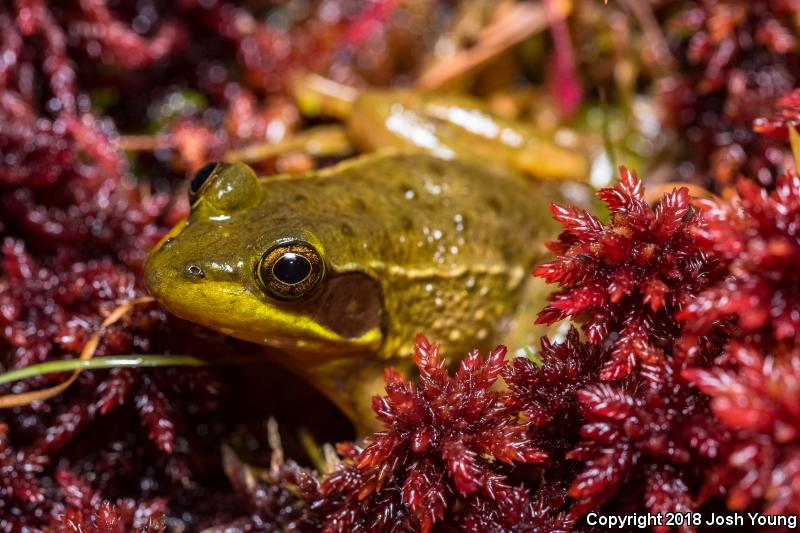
(334, 271)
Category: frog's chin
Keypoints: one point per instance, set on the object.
(311, 350)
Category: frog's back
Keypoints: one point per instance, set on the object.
(450, 242)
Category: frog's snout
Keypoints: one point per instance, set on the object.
(156, 274)
(162, 276)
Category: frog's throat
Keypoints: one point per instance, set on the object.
(351, 383)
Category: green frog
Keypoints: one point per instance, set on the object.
(335, 271)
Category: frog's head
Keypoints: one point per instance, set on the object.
(249, 265)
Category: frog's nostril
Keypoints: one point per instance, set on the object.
(194, 271)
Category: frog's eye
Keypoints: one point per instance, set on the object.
(291, 270)
(201, 178)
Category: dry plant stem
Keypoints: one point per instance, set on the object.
(643, 12)
(794, 139)
(320, 141)
(332, 459)
(144, 143)
(274, 439)
(316, 95)
(655, 192)
(522, 21)
(88, 351)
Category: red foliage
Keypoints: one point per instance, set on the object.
(547, 391)
(755, 386)
(337, 507)
(645, 438)
(444, 440)
(19, 487)
(642, 439)
(565, 85)
(107, 518)
(115, 43)
(86, 512)
(788, 115)
(740, 56)
(518, 512)
(758, 399)
(627, 277)
(274, 499)
(41, 303)
(47, 313)
(755, 236)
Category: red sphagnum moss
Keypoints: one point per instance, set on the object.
(740, 56)
(757, 397)
(787, 115)
(85, 510)
(446, 439)
(545, 390)
(627, 278)
(640, 438)
(755, 237)
(107, 518)
(755, 386)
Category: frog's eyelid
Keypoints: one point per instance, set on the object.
(201, 180)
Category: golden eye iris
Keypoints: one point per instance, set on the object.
(291, 270)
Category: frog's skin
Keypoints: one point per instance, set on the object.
(410, 243)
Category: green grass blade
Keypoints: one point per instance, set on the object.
(113, 361)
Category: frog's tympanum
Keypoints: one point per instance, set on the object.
(337, 270)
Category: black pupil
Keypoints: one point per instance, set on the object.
(291, 268)
(201, 176)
